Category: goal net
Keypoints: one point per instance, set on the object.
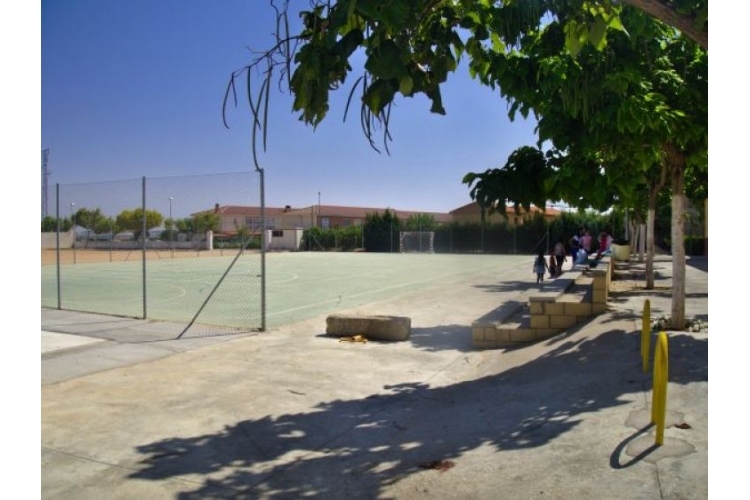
(417, 241)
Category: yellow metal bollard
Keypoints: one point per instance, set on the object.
(661, 375)
(646, 334)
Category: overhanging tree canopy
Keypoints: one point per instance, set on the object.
(594, 106)
(411, 46)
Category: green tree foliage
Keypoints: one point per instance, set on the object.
(207, 221)
(200, 223)
(93, 220)
(626, 120)
(381, 232)
(610, 114)
(184, 225)
(528, 238)
(338, 239)
(419, 222)
(49, 224)
(243, 234)
(411, 47)
(522, 181)
(132, 220)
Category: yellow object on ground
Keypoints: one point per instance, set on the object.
(355, 338)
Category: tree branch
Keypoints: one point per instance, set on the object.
(662, 11)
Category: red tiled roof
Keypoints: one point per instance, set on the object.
(363, 212)
(242, 210)
(322, 211)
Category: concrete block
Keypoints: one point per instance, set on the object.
(484, 344)
(490, 334)
(477, 333)
(562, 321)
(553, 308)
(536, 307)
(371, 327)
(523, 335)
(502, 335)
(598, 307)
(599, 296)
(539, 321)
(545, 333)
(578, 309)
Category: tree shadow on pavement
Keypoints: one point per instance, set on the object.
(515, 286)
(699, 263)
(369, 443)
(442, 337)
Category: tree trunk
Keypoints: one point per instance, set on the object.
(650, 250)
(633, 234)
(654, 190)
(641, 242)
(677, 163)
(662, 11)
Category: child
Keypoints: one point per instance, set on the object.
(540, 265)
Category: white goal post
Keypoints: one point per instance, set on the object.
(416, 241)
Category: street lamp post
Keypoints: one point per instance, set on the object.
(171, 230)
(73, 219)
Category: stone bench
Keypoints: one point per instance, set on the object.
(557, 305)
(554, 289)
(380, 327)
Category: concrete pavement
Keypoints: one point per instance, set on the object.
(294, 413)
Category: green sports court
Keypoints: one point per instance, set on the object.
(225, 290)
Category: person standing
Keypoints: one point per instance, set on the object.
(552, 264)
(560, 255)
(575, 244)
(586, 241)
(540, 266)
(603, 244)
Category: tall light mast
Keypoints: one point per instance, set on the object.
(45, 174)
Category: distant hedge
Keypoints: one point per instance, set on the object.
(380, 233)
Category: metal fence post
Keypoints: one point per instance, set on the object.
(143, 235)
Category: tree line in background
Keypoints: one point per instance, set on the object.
(96, 225)
(380, 233)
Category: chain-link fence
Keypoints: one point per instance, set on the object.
(179, 249)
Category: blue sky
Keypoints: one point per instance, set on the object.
(135, 88)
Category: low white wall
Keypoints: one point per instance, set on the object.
(290, 239)
(49, 240)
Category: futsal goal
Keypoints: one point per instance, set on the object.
(417, 242)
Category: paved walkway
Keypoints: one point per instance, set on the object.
(293, 413)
